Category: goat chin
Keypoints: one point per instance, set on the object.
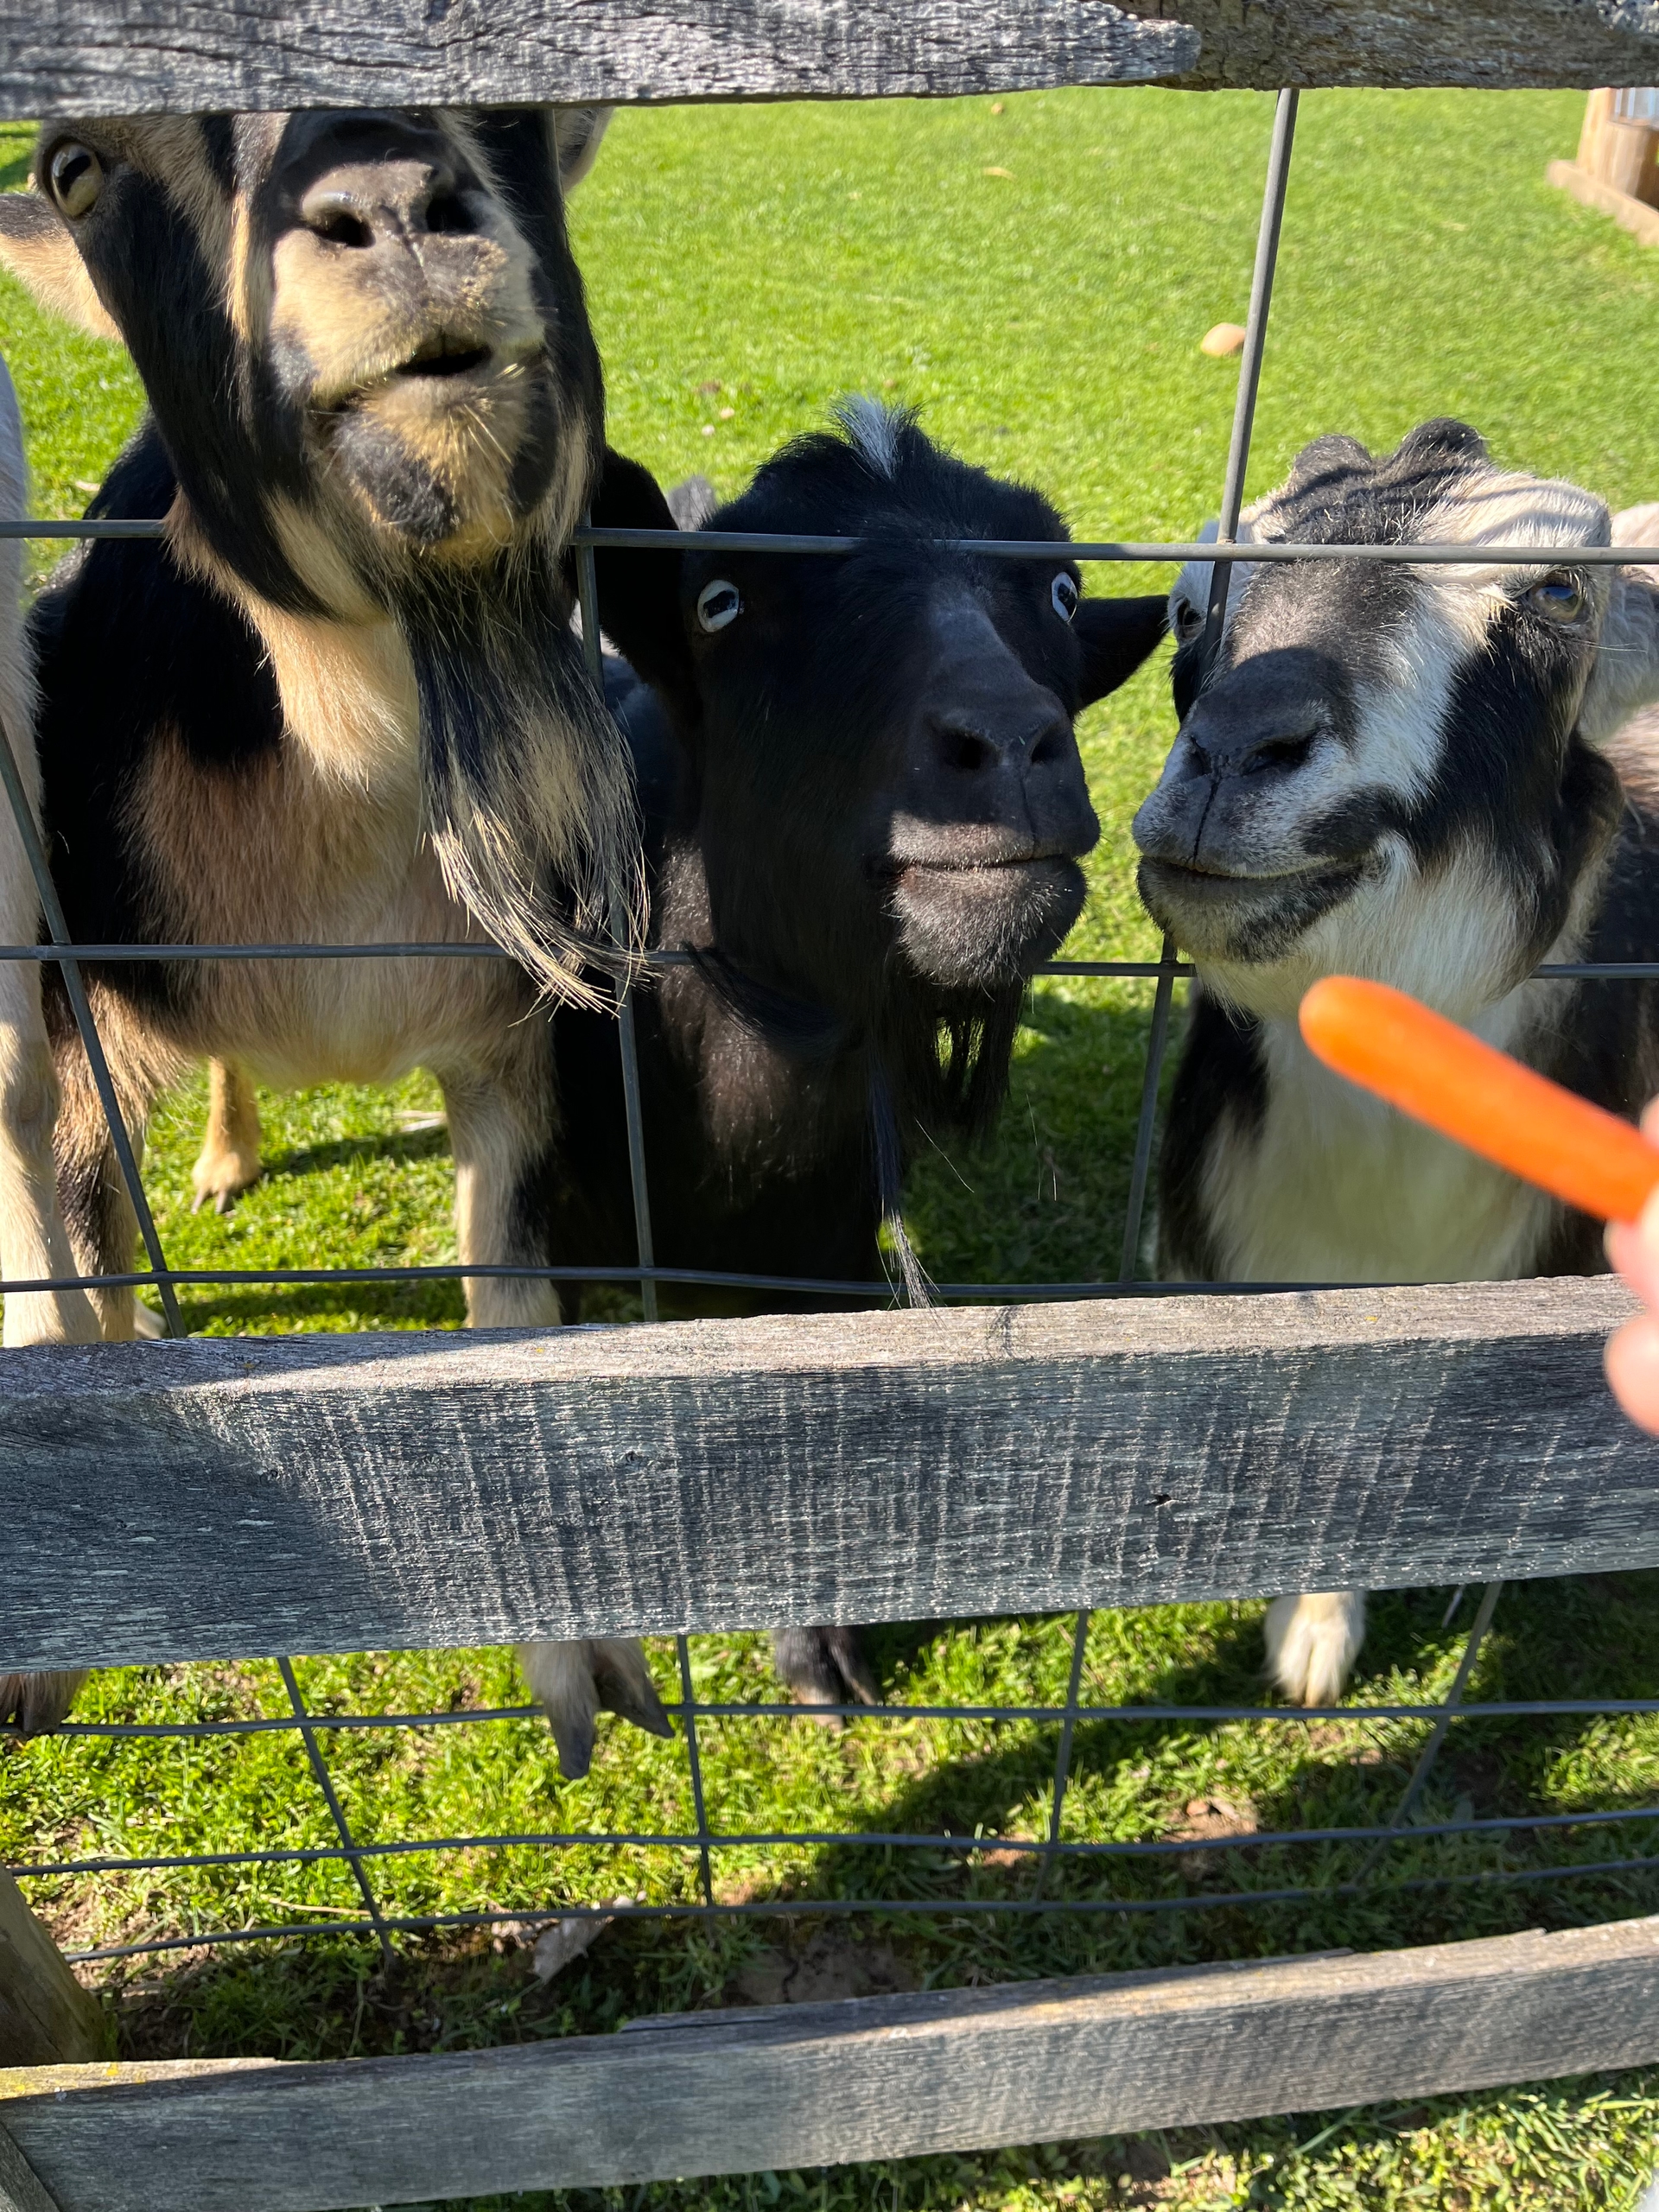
(1312, 1641)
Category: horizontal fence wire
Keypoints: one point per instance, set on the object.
(698, 1846)
(1152, 553)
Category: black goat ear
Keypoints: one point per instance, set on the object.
(1115, 635)
(639, 591)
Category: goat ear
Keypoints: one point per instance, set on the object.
(1626, 673)
(576, 134)
(1115, 635)
(37, 247)
(640, 593)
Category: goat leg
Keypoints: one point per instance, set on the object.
(824, 1666)
(1313, 1642)
(33, 1705)
(574, 1683)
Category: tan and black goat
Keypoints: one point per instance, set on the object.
(341, 701)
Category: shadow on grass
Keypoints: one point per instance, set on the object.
(279, 1311)
(403, 1148)
(329, 1997)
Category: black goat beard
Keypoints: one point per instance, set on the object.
(527, 785)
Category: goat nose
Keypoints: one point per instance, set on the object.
(969, 744)
(1215, 742)
(368, 203)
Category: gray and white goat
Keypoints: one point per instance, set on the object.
(1425, 775)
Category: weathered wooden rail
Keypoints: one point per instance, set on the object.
(122, 57)
(810, 2085)
(223, 1497)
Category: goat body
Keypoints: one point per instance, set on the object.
(1427, 776)
(341, 701)
(864, 806)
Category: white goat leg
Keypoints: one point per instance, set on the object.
(33, 1243)
(1313, 1640)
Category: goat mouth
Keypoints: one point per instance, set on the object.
(1001, 864)
(444, 356)
(1210, 882)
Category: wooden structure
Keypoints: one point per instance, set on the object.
(1618, 166)
(230, 1497)
(46, 2017)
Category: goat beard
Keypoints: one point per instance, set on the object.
(527, 785)
(950, 1073)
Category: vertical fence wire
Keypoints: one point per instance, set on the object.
(337, 1811)
(1431, 1751)
(1146, 1125)
(1063, 1753)
(1232, 500)
(688, 1716)
(92, 1043)
(627, 1041)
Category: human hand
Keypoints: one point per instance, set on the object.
(1632, 1353)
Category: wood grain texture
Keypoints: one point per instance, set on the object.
(20, 2190)
(90, 57)
(1479, 43)
(818, 2084)
(46, 2017)
(227, 1497)
(101, 57)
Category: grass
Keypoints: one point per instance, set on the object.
(745, 268)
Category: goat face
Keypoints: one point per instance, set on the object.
(361, 333)
(1391, 771)
(882, 742)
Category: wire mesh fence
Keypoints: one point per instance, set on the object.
(1031, 1862)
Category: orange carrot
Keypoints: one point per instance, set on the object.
(1438, 1073)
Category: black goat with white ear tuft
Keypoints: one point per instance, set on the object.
(865, 813)
(1426, 775)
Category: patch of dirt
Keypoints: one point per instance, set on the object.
(1213, 1816)
(1007, 1857)
(833, 1964)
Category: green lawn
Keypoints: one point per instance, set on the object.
(1047, 322)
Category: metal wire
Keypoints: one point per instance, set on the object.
(349, 1850)
(1150, 553)
(1048, 1852)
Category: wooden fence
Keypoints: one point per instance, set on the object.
(232, 1498)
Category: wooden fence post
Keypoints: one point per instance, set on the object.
(46, 2018)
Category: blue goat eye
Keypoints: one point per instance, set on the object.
(1063, 597)
(719, 603)
(1558, 599)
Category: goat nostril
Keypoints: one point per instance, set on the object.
(1049, 749)
(963, 753)
(1281, 752)
(448, 211)
(339, 227)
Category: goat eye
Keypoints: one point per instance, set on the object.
(1189, 620)
(1558, 599)
(1063, 596)
(76, 177)
(719, 603)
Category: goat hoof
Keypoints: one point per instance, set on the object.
(220, 1178)
(1313, 1642)
(574, 1683)
(824, 1666)
(146, 1324)
(33, 1705)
